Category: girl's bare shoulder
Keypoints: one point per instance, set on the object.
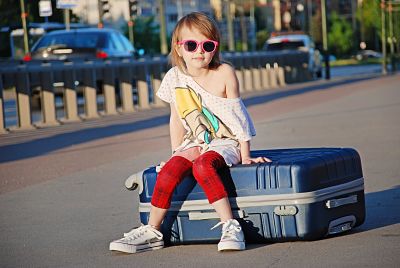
(227, 74)
(226, 69)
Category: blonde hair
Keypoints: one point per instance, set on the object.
(206, 26)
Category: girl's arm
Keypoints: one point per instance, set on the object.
(231, 82)
(245, 154)
(177, 131)
(232, 91)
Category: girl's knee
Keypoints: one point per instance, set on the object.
(168, 178)
(176, 166)
(173, 172)
(207, 163)
(205, 171)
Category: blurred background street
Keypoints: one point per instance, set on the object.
(353, 27)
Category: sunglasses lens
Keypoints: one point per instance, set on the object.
(190, 46)
(208, 46)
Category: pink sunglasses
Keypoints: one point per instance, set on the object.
(192, 45)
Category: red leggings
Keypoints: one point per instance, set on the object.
(204, 170)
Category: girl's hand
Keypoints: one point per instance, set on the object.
(260, 159)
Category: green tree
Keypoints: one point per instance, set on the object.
(146, 35)
(369, 17)
(10, 16)
(262, 37)
(316, 28)
(369, 14)
(340, 36)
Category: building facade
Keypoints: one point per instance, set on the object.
(87, 11)
(273, 15)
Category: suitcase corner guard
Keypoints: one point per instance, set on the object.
(135, 181)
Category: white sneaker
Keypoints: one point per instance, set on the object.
(139, 239)
(232, 236)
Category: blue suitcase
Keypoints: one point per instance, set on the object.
(303, 194)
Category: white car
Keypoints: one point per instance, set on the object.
(368, 54)
(302, 42)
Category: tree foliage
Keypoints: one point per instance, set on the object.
(10, 17)
(316, 28)
(369, 17)
(340, 36)
(261, 37)
(10, 13)
(369, 14)
(146, 35)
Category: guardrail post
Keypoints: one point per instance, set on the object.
(265, 75)
(237, 61)
(70, 98)
(90, 91)
(109, 89)
(126, 89)
(2, 118)
(256, 70)
(248, 77)
(271, 76)
(47, 98)
(280, 74)
(23, 99)
(143, 90)
(157, 75)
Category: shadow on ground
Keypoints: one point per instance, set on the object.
(382, 209)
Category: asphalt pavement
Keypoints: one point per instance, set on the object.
(62, 198)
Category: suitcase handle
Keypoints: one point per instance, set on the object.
(197, 216)
(334, 203)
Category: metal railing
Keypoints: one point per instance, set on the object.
(126, 85)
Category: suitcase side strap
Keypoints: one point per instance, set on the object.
(334, 203)
(198, 216)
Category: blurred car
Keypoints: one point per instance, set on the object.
(368, 54)
(297, 41)
(81, 43)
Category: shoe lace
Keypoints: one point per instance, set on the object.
(229, 229)
(137, 232)
(218, 224)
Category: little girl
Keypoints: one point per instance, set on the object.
(209, 126)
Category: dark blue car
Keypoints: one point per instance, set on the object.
(83, 43)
